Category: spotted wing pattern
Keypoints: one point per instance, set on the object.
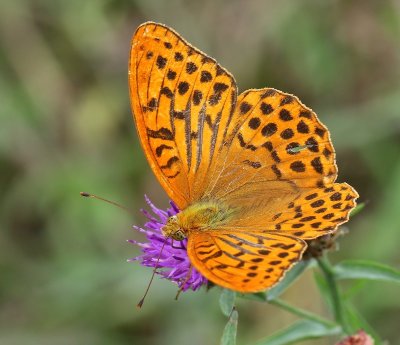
(313, 213)
(316, 212)
(277, 170)
(275, 138)
(183, 103)
(277, 158)
(245, 262)
(265, 155)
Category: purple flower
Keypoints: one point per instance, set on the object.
(174, 264)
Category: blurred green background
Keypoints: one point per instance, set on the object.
(66, 127)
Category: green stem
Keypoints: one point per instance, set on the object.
(301, 312)
(327, 270)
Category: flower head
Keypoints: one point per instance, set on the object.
(361, 338)
(173, 262)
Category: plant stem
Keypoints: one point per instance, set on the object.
(327, 270)
(301, 312)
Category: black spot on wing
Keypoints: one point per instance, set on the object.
(287, 133)
(302, 127)
(276, 171)
(170, 162)
(213, 256)
(220, 87)
(171, 74)
(286, 100)
(268, 93)
(254, 165)
(242, 143)
(197, 97)
(306, 114)
(317, 165)
(183, 87)
(178, 56)
(244, 108)
(266, 108)
(191, 68)
(254, 123)
(312, 144)
(205, 77)
(298, 166)
(161, 148)
(320, 132)
(161, 62)
(285, 115)
(162, 133)
(167, 92)
(269, 129)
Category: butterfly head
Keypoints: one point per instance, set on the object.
(173, 229)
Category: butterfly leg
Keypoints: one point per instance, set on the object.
(182, 246)
(189, 274)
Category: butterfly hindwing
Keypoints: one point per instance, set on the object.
(183, 102)
(312, 213)
(245, 262)
(316, 212)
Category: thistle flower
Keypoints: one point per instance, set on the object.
(173, 263)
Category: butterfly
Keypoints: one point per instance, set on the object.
(252, 173)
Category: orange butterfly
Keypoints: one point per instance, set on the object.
(254, 174)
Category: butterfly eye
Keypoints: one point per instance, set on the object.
(179, 235)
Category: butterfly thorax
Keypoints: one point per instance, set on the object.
(200, 216)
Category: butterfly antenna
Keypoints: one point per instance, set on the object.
(139, 305)
(184, 282)
(88, 195)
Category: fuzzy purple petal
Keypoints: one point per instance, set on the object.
(174, 264)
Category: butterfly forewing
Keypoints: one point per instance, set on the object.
(183, 102)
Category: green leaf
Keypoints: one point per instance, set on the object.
(302, 313)
(357, 209)
(229, 335)
(300, 330)
(227, 301)
(356, 321)
(354, 289)
(287, 280)
(360, 269)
